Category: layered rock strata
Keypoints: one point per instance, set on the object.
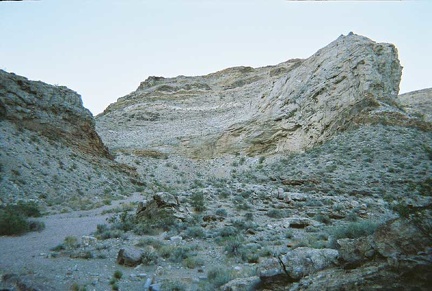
(53, 111)
(288, 107)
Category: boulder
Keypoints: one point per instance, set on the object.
(160, 205)
(298, 263)
(400, 237)
(354, 252)
(129, 257)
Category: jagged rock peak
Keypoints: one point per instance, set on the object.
(288, 107)
(54, 111)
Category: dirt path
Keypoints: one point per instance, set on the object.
(28, 254)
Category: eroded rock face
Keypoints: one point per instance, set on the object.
(350, 76)
(418, 103)
(401, 238)
(298, 263)
(53, 111)
(288, 107)
(396, 256)
(161, 205)
(49, 149)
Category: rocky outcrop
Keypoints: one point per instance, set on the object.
(182, 114)
(161, 205)
(396, 257)
(50, 151)
(288, 107)
(418, 103)
(322, 96)
(53, 111)
(298, 263)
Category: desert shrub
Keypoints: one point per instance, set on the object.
(352, 216)
(71, 242)
(12, 223)
(179, 254)
(223, 194)
(354, 229)
(234, 247)
(175, 254)
(123, 221)
(149, 257)
(194, 232)
(221, 212)
(228, 231)
(324, 218)
(118, 274)
(77, 287)
(276, 213)
(219, 276)
(14, 218)
(145, 228)
(173, 286)
(197, 201)
(114, 280)
(36, 225)
(165, 251)
(28, 209)
(243, 224)
(149, 241)
(164, 221)
(193, 262)
(248, 216)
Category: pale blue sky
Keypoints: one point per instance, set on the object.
(103, 49)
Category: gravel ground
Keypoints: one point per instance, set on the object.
(28, 255)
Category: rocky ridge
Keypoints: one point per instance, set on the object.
(50, 151)
(53, 111)
(288, 107)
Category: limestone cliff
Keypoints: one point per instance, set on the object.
(50, 151)
(288, 107)
(53, 111)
